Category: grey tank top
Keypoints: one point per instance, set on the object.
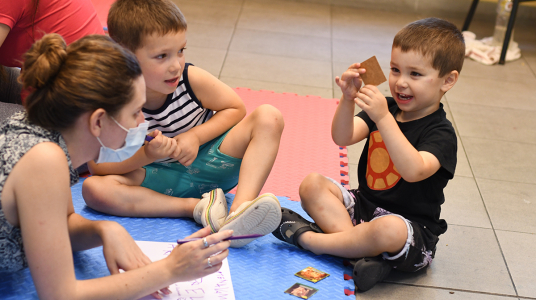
(18, 136)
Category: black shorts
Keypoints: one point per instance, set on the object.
(420, 247)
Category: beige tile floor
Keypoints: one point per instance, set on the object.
(299, 47)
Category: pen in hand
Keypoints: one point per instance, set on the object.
(238, 237)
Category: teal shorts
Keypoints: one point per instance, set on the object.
(210, 170)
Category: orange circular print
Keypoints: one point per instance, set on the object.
(381, 172)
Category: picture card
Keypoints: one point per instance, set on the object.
(312, 274)
(301, 291)
(374, 74)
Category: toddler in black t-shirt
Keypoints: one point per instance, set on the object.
(392, 219)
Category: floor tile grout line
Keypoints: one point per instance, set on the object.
(483, 202)
(284, 56)
(300, 85)
(533, 70)
(470, 226)
(497, 140)
(480, 227)
(283, 33)
(495, 106)
(491, 106)
(514, 231)
(231, 39)
(502, 180)
(459, 290)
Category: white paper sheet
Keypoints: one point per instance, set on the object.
(216, 286)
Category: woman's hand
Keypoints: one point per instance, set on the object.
(190, 261)
(121, 251)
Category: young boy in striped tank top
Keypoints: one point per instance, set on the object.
(203, 143)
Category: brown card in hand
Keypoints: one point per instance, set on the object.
(374, 74)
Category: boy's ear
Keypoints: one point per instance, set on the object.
(449, 81)
(95, 121)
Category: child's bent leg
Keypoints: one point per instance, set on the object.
(256, 140)
(122, 195)
(386, 234)
(323, 201)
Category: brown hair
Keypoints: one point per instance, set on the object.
(437, 39)
(129, 21)
(93, 72)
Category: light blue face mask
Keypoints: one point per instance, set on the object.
(133, 142)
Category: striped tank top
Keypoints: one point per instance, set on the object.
(181, 112)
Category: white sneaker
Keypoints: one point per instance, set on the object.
(211, 210)
(259, 216)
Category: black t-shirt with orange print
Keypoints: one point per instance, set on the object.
(381, 184)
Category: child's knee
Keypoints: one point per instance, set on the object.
(390, 232)
(311, 186)
(93, 192)
(270, 118)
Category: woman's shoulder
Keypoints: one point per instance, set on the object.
(17, 130)
(20, 138)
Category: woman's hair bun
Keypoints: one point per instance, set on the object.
(43, 61)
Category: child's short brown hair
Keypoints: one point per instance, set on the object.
(129, 21)
(438, 39)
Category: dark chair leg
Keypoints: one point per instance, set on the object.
(509, 30)
(470, 15)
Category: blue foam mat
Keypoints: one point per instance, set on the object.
(263, 269)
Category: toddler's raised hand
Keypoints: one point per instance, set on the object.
(373, 102)
(160, 146)
(350, 81)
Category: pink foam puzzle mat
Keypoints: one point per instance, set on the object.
(306, 144)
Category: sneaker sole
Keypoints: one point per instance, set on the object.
(213, 215)
(262, 216)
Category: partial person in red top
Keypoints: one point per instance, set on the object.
(22, 22)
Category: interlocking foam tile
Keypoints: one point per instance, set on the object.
(263, 269)
(306, 145)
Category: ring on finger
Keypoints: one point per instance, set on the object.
(208, 263)
(205, 243)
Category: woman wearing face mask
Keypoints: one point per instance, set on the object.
(84, 98)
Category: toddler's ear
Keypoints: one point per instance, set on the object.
(449, 81)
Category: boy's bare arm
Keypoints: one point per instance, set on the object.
(412, 165)
(137, 161)
(345, 128)
(219, 97)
